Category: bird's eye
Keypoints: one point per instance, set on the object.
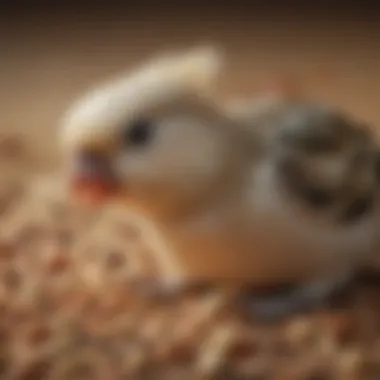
(138, 133)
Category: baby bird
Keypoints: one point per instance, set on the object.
(279, 193)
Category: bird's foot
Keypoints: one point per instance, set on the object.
(302, 298)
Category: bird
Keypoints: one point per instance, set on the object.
(261, 193)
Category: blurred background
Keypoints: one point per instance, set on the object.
(52, 53)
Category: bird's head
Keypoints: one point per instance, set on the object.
(154, 136)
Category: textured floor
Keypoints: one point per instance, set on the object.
(67, 310)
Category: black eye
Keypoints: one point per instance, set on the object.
(138, 133)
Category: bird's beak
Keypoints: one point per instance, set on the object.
(91, 178)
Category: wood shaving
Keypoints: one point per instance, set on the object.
(68, 311)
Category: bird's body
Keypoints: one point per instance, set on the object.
(280, 193)
(260, 237)
(259, 231)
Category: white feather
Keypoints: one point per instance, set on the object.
(100, 111)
